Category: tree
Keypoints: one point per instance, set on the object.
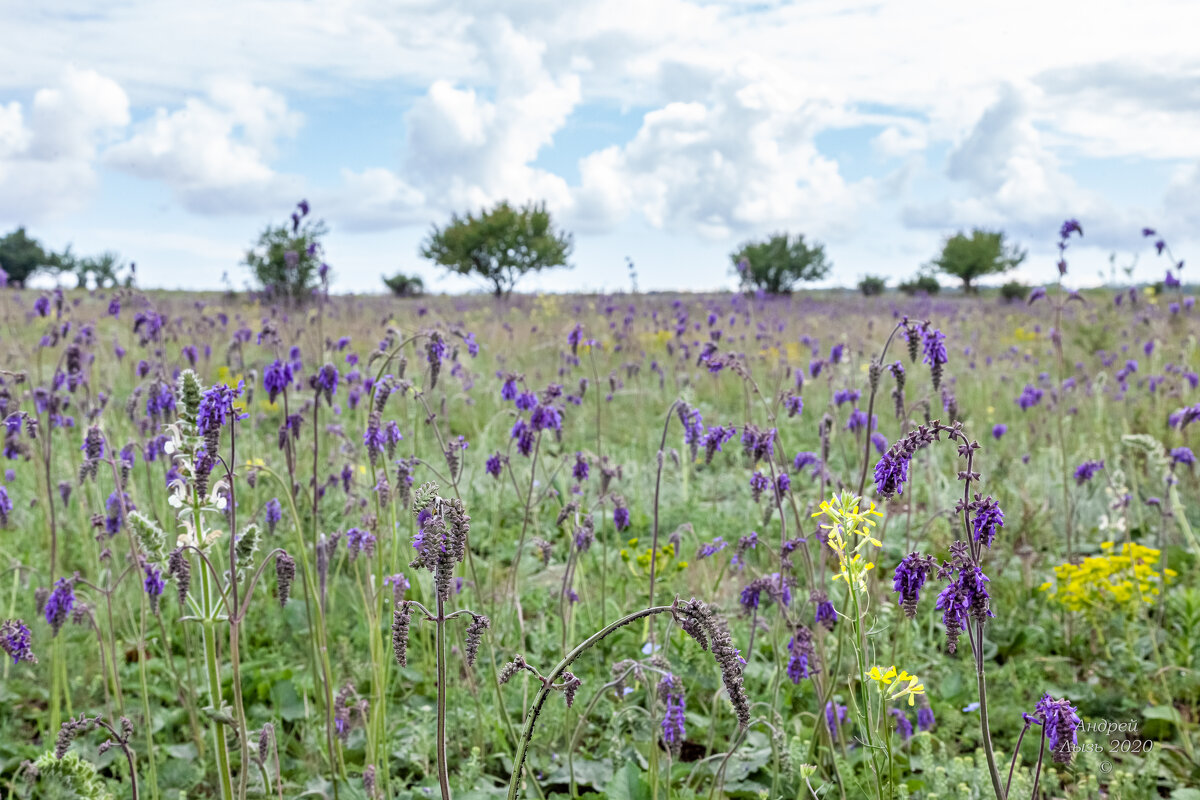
(21, 256)
(286, 260)
(405, 285)
(499, 245)
(975, 256)
(922, 283)
(778, 263)
(871, 285)
(101, 269)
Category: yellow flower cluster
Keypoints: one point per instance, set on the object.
(845, 520)
(1120, 577)
(893, 686)
(638, 561)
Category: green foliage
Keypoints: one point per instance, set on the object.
(101, 271)
(1013, 291)
(921, 283)
(286, 260)
(403, 285)
(499, 245)
(776, 264)
(983, 253)
(872, 285)
(70, 777)
(21, 256)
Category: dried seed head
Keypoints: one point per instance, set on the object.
(285, 574)
(180, 568)
(401, 618)
(475, 630)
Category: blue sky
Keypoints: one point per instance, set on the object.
(666, 131)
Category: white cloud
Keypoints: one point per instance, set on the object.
(374, 199)
(465, 150)
(1009, 178)
(214, 153)
(743, 160)
(46, 162)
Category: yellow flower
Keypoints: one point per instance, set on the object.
(896, 686)
(881, 677)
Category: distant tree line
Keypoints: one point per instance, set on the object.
(22, 257)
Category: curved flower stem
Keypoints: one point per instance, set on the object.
(862, 477)
(514, 783)
(1037, 773)
(657, 488)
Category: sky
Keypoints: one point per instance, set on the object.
(662, 132)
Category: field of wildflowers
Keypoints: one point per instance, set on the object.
(628, 546)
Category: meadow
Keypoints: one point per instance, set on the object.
(627, 546)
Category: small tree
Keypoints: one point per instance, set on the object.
(102, 269)
(499, 245)
(404, 285)
(921, 283)
(21, 256)
(982, 253)
(286, 261)
(871, 285)
(778, 263)
(1012, 291)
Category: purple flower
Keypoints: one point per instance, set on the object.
(925, 720)
(891, 473)
(508, 390)
(580, 471)
(6, 507)
(988, 517)
(758, 484)
(903, 724)
(277, 377)
(908, 578)
(494, 464)
(1069, 227)
(16, 640)
(216, 408)
(360, 542)
(826, 614)
(1060, 722)
(711, 548)
(274, 513)
(1030, 397)
(834, 715)
(934, 347)
(574, 338)
(999, 430)
(673, 717)
(1086, 471)
(1183, 455)
(621, 517)
(59, 603)
(325, 382)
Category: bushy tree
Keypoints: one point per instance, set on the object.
(1012, 291)
(21, 256)
(499, 245)
(871, 285)
(978, 255)
(778, 263)
(921, 283)
(286, 260)
(403, 285)
(103, 270)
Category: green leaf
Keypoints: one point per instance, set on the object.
(627, 784)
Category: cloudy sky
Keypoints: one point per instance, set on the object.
(666, 131)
